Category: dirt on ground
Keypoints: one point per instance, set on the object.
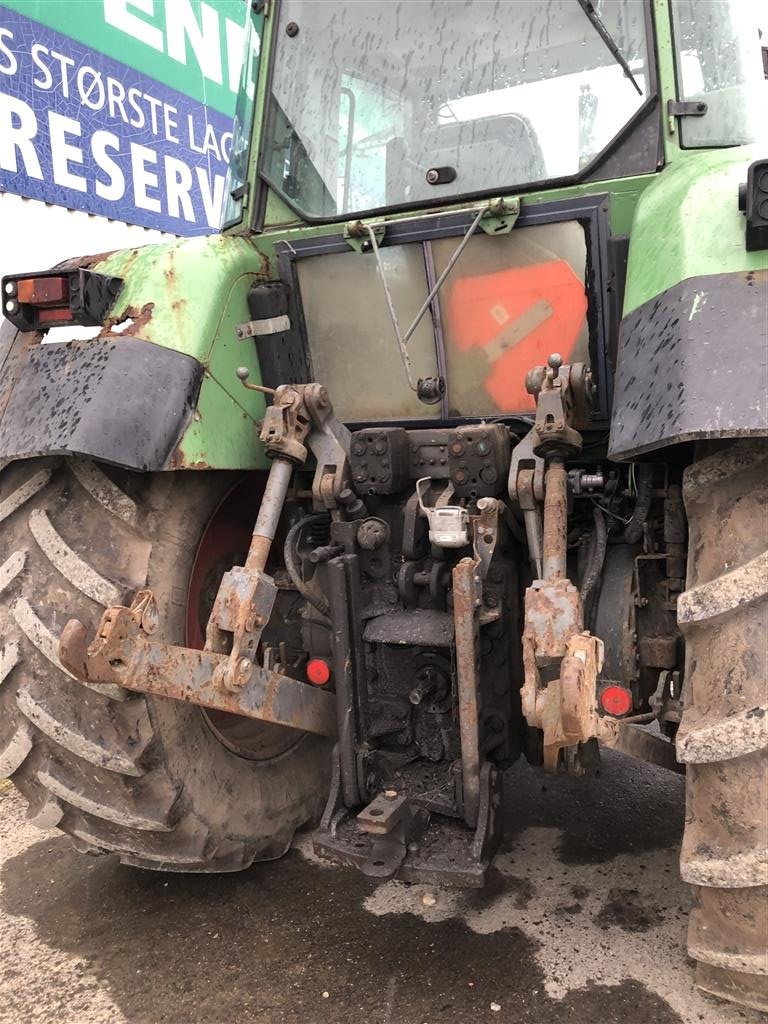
(584, 919)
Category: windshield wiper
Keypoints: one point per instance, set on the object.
(589, 9)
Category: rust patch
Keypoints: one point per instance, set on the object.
(178, 460)
(86, 262)
(140, 317)
(265, 270)
(465, 595)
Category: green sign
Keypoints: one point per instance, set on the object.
(192, 46)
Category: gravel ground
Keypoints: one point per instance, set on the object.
(584, 920)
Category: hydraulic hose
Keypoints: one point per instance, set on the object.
(634, 528)
(294, 570)
(597, 550)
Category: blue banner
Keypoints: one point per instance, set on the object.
(81, 130)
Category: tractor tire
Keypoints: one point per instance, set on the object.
(723, 737)
(148, 779)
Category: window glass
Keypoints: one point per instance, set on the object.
(719, 62)
(508, 304)
(369, 98)
(351, 340)
(242, 126)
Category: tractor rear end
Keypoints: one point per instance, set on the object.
(445, 453)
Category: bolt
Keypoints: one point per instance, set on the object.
(390, 794)
(291, 29)
(243, 672)
(492, 600)
(433, 176)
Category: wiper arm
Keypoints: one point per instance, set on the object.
(589, 9)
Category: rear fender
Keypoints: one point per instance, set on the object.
(692, 360)
(157, 388)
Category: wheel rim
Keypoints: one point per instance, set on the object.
(225, 543)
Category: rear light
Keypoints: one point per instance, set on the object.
(616, 701)
(35, 302)
(318, 671)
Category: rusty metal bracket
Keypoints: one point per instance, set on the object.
(501, 216)
(224, 675)
(393, 822)
(329, 442)
(486, 528)
(526, 493)
(467, 598)
(561, 660)
(563, 397)
(121, 655)
(565, 708)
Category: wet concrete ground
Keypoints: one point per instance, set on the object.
(584, 921)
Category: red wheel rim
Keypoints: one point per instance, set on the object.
(225, 543)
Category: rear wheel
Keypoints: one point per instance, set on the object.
(156, 781)
(724, 731)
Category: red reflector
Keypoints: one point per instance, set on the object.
(318, 671)
(616, 701)
(56, 315)
(43, 291)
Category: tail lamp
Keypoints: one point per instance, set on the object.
(616, 700)
(753, 201)
(35, 302)
(318, 671)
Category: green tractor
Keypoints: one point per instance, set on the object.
(449, 449)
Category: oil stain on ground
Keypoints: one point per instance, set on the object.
(583, 920)
(264, 946)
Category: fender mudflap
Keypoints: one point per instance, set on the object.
(693, 364)
(119, 400)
